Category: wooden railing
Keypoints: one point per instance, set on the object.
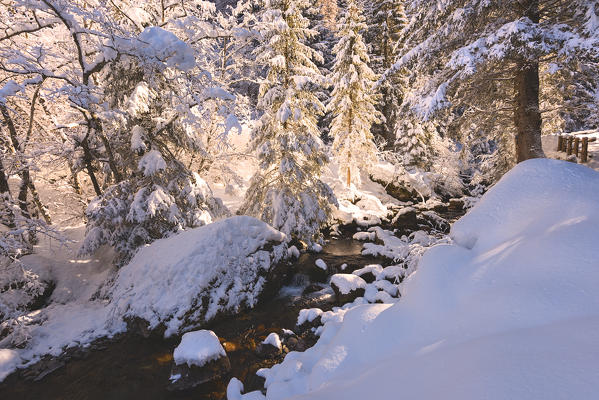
(572, 145)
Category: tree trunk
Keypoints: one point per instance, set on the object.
(348, 176)
(87, 158)
(3, 180)
(527, 113)
(38, 203)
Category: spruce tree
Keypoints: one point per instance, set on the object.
(386, 22)
(414, 139)
(286, 191)
(353, 101)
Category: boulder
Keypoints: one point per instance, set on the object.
(185, 377)
(198, 359)
(369, 272)
(406, 219)
(347, 287)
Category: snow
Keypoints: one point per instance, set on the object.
(274, 340)
(374, 269)
(347, 282)
(198, 348)
(151, 163)
(222, 262)
(137, 136)
(371, 236)
(9, 360)
(321, 264)
(168, 48)
(509, 310)
(10, 88)
(293, 252)
(405, 249)
(72, 318)
(308, 315)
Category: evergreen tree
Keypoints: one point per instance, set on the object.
(353, 102)
(481, 60)
(414, 142)
(386, 22)
(286, 192)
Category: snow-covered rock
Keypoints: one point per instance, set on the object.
(271, 346)
(369, 272)
(347, 287)
(199, 358)
(197, 348)
(190, 278)
(321, 264)
(509, 310)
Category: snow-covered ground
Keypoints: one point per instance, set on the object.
(508, 311)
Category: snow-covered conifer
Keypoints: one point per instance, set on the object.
(286, 191)
(353, 101)
(386, 21)
(414, 140)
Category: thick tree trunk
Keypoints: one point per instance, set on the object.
(527, 113)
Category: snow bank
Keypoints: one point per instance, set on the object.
(193, 276)
(509, 311)
(198, 348)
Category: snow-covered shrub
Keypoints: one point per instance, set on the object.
(19, 288)
(190, 278)
(137, 212)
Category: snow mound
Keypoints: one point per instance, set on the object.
(509, 311)
(190, 277)
(198, 348)
(274, 340)
(347, 282)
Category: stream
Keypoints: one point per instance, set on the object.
(133, 367)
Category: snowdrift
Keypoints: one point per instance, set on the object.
(195, 275)
(509, 310)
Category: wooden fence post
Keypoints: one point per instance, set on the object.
(569, 146)
(560, 142)
(585, 150)
(576, 145)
